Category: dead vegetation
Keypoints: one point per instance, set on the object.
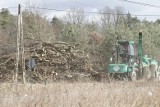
(93, 94)
(54, 61)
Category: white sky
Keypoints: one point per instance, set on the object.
(87, 5)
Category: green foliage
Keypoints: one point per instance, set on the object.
(68, 34)
(157, 21)
(75, 29)
(5, 18)
(7, 27)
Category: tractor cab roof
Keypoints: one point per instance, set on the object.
(126, 42)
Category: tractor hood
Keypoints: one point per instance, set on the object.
(117, 68)
(146, 61)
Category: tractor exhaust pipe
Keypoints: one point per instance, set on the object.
(140, 53)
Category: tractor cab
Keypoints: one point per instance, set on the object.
(124, 59)
(125, 52)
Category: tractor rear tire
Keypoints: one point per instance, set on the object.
(153, 70)
(140, 72)
(146, 73)
(133, 75)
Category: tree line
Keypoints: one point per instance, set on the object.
(95, 37)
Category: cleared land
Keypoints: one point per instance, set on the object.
(91, 94)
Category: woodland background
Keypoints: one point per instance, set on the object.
(95, 37)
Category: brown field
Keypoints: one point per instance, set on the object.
(80, 94)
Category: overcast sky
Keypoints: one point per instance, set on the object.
(87, 5)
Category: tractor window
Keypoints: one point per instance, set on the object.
(123, 52)
(131, 49)
(123, 49)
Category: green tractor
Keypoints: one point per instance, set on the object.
(127, 64)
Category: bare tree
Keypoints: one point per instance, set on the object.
(36, 26)
(75, 16)
(106, 16)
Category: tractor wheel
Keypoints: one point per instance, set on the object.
(133, 75)
(146, 73)
(153, 71)
(140, 71)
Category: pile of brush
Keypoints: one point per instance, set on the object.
(54, 61)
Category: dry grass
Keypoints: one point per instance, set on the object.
(93, 94)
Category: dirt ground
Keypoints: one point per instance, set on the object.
(81, 94)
